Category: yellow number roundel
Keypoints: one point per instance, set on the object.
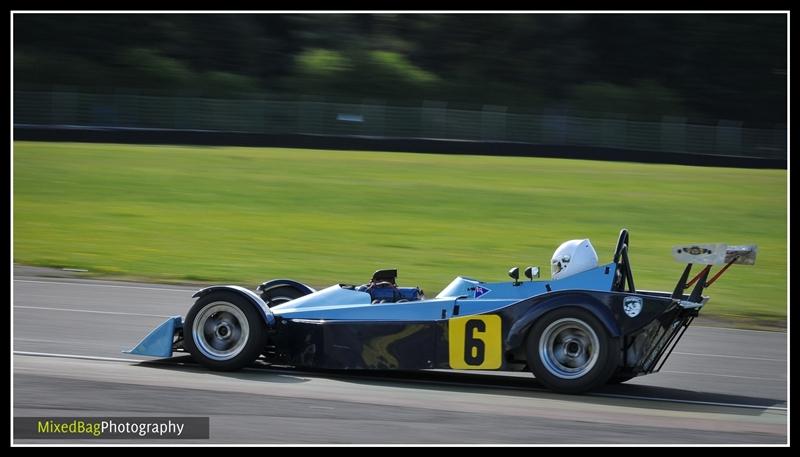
(476, 342)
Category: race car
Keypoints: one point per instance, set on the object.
(586, 326)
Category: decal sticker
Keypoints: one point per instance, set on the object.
(480, 291)
(696, 250)
(377, 351)
(476, 342)
(632, 306)
(709, 254)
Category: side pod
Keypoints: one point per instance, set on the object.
(158, 343)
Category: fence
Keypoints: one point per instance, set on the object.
(431, 120)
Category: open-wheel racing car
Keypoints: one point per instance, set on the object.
(586, 326)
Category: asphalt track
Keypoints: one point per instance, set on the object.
(721, 386)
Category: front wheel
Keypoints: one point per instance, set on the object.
(570, 351)
(223, 331)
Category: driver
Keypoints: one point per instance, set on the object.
(573, 257)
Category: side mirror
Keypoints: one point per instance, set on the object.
(532, 272)
(514, 273)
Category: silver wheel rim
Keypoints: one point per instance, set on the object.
(569, 348)
(220, 330)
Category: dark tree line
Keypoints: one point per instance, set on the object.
(700, 66)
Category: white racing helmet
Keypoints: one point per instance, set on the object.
(572, 257)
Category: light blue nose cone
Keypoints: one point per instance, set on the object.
(158, 343)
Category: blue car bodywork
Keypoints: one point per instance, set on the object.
(469, 325)
(340, 303)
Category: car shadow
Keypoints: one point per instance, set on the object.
(504, 383)
(668, 398)
(185, 363)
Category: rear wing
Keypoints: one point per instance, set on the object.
(708, 255)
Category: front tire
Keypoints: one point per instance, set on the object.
(223, 331)
(570, 351)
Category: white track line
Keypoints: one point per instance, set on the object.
(189, 288)
(630, 397)
(744, 329)
(118, 286)
(77, 356)
(91, 311)
(164, 315)
(767, 359)
(693, 402)
(724, 375)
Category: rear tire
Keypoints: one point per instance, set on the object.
(223, 331)
(570, 351)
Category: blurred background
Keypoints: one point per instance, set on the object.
(689, 85)
(711, 83)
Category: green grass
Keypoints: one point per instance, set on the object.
(244, 215)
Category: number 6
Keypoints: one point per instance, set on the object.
(475, 342)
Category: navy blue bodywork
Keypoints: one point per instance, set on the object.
(424, 344)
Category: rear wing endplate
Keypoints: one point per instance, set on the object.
(708, 255)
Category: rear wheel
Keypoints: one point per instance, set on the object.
(224, 331)
(570, 351)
